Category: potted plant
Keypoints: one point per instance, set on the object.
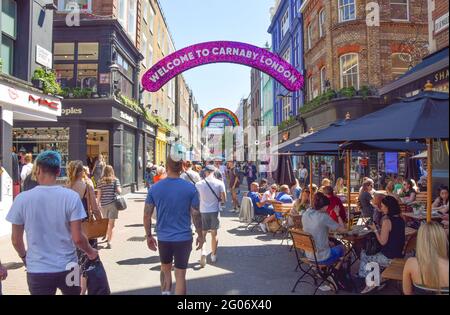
(38, 78)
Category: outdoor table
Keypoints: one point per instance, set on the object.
(395, 270)
(422, 216)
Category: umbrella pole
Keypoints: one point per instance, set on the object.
(311, 194)
(348, 161)
(429, 178)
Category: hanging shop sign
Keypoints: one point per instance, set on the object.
(43, 57)
(222, 52)
(441, 23)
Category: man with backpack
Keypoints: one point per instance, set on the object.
(212, 194)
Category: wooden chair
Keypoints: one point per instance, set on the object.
(283, 209)
(421, 197)
(304, 243)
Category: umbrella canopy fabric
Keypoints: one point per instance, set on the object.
(422, 116)
(422, 155)
(322, 148)
(284, 174)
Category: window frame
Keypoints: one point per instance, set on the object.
(309, 34)
(284, 25)
(408, 17)
(323, 79)
(322, 18)
(392, 68)
(342, 7)
(341, 74)
(62, 5)
(12, 40)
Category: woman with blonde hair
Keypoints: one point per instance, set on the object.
(30, 181)
(97, 170)
(77, 183)
(390, 190)
(427, 273)
(340, 188)
(108, 187)
(160, 174)
(27, 167)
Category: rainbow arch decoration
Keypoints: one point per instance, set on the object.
(230, 118)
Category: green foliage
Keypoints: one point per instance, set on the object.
(48, 78)
(365, 92)
(287, 123)
(68, 92)
(347, 92)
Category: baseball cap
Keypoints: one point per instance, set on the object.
(210, 168)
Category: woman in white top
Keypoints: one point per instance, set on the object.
(28, 166)
(269, 194)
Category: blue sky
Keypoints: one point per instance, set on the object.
(196, 21)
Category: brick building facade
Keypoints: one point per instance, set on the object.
(440, 23)
(342, 50)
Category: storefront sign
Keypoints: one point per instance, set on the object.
(127, 117)
(43, 102)
(150, 129)
(43, 57)
(220, 52)
(441, 23)
(72, 111)
(442, 75)
(104, 78)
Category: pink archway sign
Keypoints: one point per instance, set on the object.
(225, 52)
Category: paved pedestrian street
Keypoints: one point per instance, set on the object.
(248, 262)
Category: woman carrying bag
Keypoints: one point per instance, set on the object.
(86, 192)
(108, 189)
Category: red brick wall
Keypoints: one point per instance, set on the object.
(440, 8)
(374, 45)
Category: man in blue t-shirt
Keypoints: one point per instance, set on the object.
(175, 201)
(283, 197)
(260, 208)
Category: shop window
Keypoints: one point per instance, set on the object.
(87, 51)
(87, 76)
(65, 74)
(64, 51)
(129, 158)
(347, 10)
(400, 10)
(9, 28)
(37, 140)
(349, 71)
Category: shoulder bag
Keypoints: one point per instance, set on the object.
(94, 228)
(373, 247)
(119, 202)
(212, 190)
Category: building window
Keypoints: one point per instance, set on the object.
(144, 49)
(349, 71)
(68, 5)
(285, 22)
(310, 35)
(400, 10)
(323, 80)
(347, 10)
(286, 103)
(310, 88)
(145, 10)
(132, 19)
(150, 56)
(322, 23)
(9, 28)
(125, 76)
(122, 12)
(76, 64)
(401, 62)
(151, 19)
(287, 55)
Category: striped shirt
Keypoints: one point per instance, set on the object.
(108, 194)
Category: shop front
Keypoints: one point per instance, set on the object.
(161, 146)
(86, 130)
(18, 102)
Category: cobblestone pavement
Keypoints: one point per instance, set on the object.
(249, 262)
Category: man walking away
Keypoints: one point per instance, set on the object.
(51, 217)
(189, 175)
(175, 201)
(212, 195)
(303, 175)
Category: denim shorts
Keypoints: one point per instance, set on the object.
(336, 252)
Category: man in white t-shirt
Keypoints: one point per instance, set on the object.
(212, 194)
(303, 174)
(51, 217)
(189, 175)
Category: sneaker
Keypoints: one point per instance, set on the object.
(213, 258)
(108, 246)
(166, 293)
(263, 227)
